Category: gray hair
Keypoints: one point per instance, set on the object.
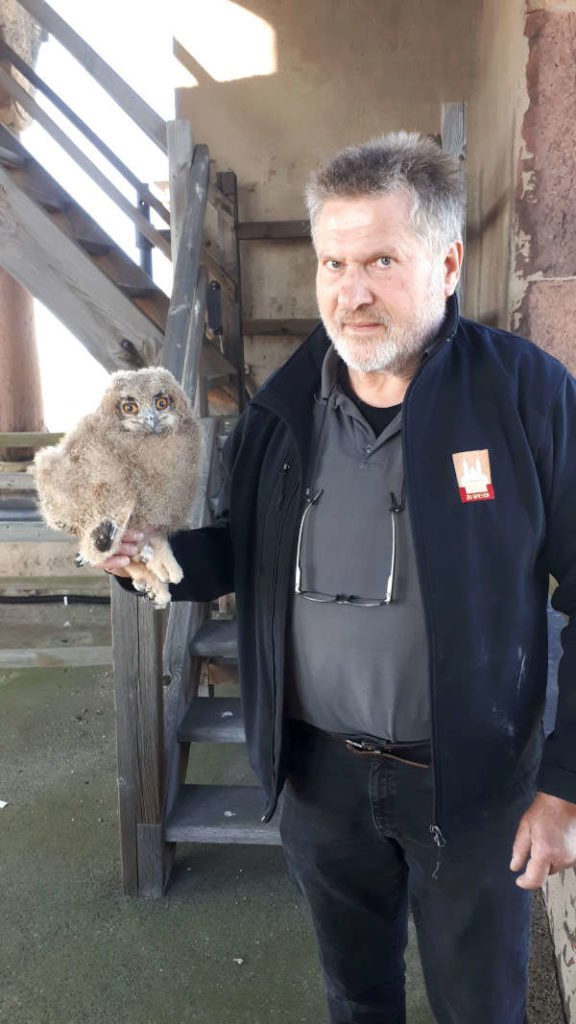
(397, 162)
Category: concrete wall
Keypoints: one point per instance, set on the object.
(495, 117)
(344, 72)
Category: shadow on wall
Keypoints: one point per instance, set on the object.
(274, 89)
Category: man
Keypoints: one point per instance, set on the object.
(397, 500)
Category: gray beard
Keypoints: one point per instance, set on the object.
(400, 347)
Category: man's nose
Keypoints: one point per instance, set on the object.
(354, 291)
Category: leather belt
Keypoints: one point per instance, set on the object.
(416, 754)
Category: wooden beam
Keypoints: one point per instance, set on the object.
(454, 140)
(56, 270)
(131, 103)
(34, 439)
(275, 230)
(295, 328)
(31, 533)
(59, 586)
(14, 89)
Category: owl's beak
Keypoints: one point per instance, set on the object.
(150, 420)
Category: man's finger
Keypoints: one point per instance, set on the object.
(522, 846)
(536, 873)
(116, 564)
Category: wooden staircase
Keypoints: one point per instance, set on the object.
(56, 250)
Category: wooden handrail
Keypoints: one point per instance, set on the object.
(10, 55)
(131, 103)
(14, 89)
(188, 261)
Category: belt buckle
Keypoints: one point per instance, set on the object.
(363, 747)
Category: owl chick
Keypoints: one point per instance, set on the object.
(133, 463)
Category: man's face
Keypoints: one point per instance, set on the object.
(381, 296)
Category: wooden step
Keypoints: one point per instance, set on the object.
(94, 247)
(17, 483)
(274, 230)
(213, 365)
(136, 291)
(298, 328)
(213, 720)
(270, 230)
(217, 639)
(220, 814)
(52, 200)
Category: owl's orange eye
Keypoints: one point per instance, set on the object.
(129, 408)
(162, 403)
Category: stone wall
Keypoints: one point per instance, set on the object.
(545, 271)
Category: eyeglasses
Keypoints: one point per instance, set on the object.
(362, 602)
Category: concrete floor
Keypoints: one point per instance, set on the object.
(73, 950)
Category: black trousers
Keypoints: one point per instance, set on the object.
(356, 834)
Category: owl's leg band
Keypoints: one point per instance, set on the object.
(145, 554)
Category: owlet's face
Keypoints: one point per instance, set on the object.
(147, 415)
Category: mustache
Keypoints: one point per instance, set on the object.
(372, 318)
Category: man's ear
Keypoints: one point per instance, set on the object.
(452, 267)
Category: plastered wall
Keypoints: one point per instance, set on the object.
(495, 116)
(345, 71)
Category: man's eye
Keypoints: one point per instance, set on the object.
(333, 264)
(383, 261)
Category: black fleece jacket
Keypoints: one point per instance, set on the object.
(484, 564)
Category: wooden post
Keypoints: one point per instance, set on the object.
(21, 405)
(233, 342)
(180, 155)
(187, 265)
(453, 135)
(137, 653)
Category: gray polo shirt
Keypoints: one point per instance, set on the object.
(357, 669)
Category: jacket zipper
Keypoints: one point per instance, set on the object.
(282, 506)
(434, 827)
(284, 476)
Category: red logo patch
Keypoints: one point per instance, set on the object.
(473, 475)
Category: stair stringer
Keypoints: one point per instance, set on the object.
(58, 272)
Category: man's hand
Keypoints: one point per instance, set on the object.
(132, 542)
(546, 838)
